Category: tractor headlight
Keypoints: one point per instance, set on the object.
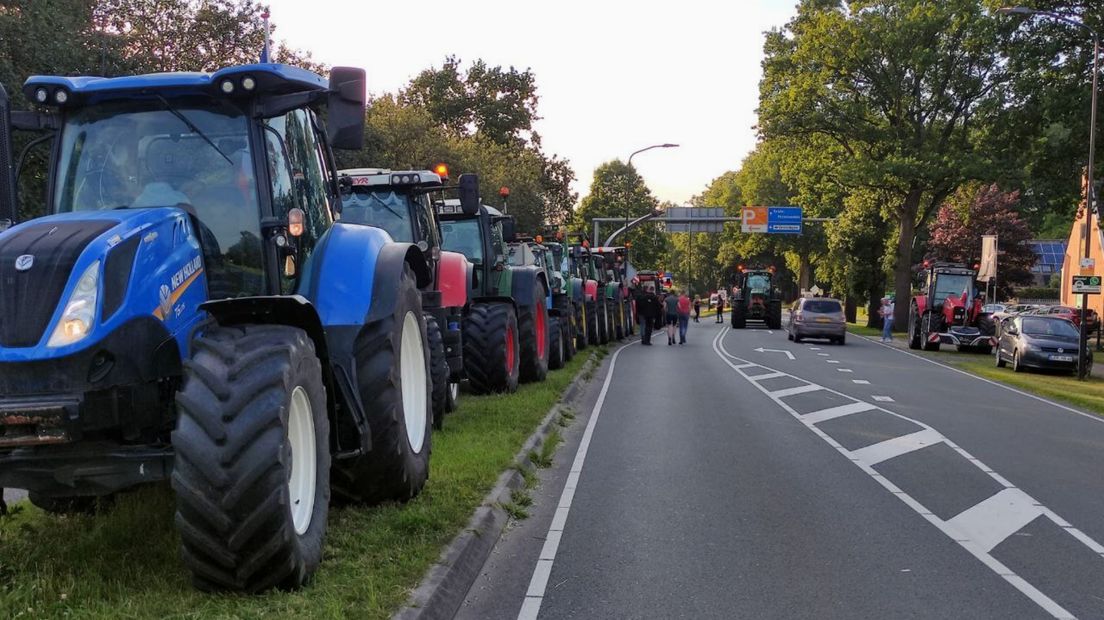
(80, 309)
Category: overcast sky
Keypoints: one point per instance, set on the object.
(612, 76)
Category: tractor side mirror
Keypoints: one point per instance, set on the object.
(469, 194)
(345, 103)
(509, 229)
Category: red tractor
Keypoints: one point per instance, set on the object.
(948, 309)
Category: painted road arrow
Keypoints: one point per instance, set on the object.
(762, 350)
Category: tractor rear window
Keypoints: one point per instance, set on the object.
(463, 237)
(382, 209)
(821, 306)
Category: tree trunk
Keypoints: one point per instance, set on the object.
(873, 304)
(804, 274)
(850, 309)
(902, 272)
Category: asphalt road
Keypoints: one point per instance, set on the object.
(717, 481)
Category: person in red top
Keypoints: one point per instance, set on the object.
(683, 316)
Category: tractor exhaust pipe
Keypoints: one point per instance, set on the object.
(7, 165)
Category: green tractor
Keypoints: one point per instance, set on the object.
(568, 295)
(506, 321)
(618, 297)
(755, 297)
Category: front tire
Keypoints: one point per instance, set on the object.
(914, 328)
(1000, 360)
(439, 372)
(593, 333)
(252, 465)
(1016, 366)
(533, 329)
(394, 381)
(556, 344)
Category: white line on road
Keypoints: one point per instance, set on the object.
(801, 389)
(762, 350)
(845, 370)
(830, 361)
(822, 354)
(831, 413)
(769, 375)
(893, 448)
(883, 399)
(860, 381)
(530, 608)
(979, 548)
(996, 518)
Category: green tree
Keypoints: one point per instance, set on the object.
(619, 191)
(904, 87)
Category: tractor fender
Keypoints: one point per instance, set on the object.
(523, 281)
(921, 305)
(591, 290)
(577, 290)
(354, 271)
(453, 279)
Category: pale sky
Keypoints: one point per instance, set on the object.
(612, 76)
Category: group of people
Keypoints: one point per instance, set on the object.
(670, 309)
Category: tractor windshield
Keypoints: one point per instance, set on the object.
(137, 154)
(758, 283)
(384, 209)
(463, 236)
(953, 285)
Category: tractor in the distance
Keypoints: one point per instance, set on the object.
(191, 310)
(756, 298)
(947, 309)
(399, 202)
(594, 315)
(531, 251)
(616, 263)
(505, 326)
(567, 294)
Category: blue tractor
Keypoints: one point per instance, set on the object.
(192, 308)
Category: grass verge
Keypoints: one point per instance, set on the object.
(124, 563)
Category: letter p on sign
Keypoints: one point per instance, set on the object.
(754, 220)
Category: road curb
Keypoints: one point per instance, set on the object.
(445, 585)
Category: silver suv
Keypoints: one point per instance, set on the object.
(817, 317)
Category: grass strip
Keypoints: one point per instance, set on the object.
(124, 563)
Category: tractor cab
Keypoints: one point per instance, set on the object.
(756, 297)
(482, 237)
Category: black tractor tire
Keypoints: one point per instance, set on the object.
(234, 467)
(775, 320)
(739, 317)
(602, 324)
(556, 358)
(619, 321)
(914, 340)
(71, 504)
(397, 467)
(568, 329)
(533, 330)
(438, 372)
(581, 323)
(593, 314)
(491, 356)
(929, 324)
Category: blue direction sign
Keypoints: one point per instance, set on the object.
(784, 220)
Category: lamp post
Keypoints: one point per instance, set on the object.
(666, 145)
(1090, 192)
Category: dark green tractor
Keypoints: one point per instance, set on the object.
(561, 322)
(506, 322)
(756, 297)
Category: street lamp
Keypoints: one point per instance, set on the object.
(1090, 191)
(666, 145)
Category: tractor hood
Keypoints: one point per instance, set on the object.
(68, 280)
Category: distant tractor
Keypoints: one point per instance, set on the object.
(567, 295)
(755, 297)
(947, 309)
(581, 266)
(532, 252)
(192, 309)
(617, 288)
(505, 327)
(399, 202)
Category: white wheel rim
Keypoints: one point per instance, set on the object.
(454, 391)
(414, 382)
(303, 477)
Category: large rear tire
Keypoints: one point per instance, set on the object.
(556, 358)
(252, 465)
(914, 339)
(739, 317)
(491, 356)
(395, 384)
(533, 329)
(603, 323)
(593, 325)
(439, 372)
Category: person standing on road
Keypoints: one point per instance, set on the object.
(683, 316)
(647, 306)
(720, 309)
(697, 309)
(887, 319)
(671, 314)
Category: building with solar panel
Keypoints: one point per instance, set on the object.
(1051, 253)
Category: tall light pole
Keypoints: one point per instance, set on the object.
(1090, 192)
(666, 145)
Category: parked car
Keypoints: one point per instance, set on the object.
(1071, 314)
(1011, 309)
(817, 317)
(1043, 342)
(994, 308)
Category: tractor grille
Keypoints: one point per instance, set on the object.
(28, 298)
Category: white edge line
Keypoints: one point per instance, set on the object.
(1041, 399)
(530, 607)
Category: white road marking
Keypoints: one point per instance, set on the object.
(822, 354)
(762, 350)
(832, 413)
(845, 370)
(987, 524)
(530, 607)
(883, 399)
(769, 375)
(893, 448)
(860, 381)
(814, 348)
(975, 548)
(831, 361)
(801, 389)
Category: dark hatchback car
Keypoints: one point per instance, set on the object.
(1043, 342)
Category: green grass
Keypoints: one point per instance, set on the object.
(124, 563)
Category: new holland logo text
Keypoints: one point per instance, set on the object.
(185, 272)
(25, 262)
(169, 294)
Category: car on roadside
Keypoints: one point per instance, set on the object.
(1071, 314)
(1040, 342)
(817, 317)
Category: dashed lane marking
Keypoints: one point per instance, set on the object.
(845, 370)
(860, 381)
(883, 399)
(801, 389)
(831, 361)
(978, 529)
